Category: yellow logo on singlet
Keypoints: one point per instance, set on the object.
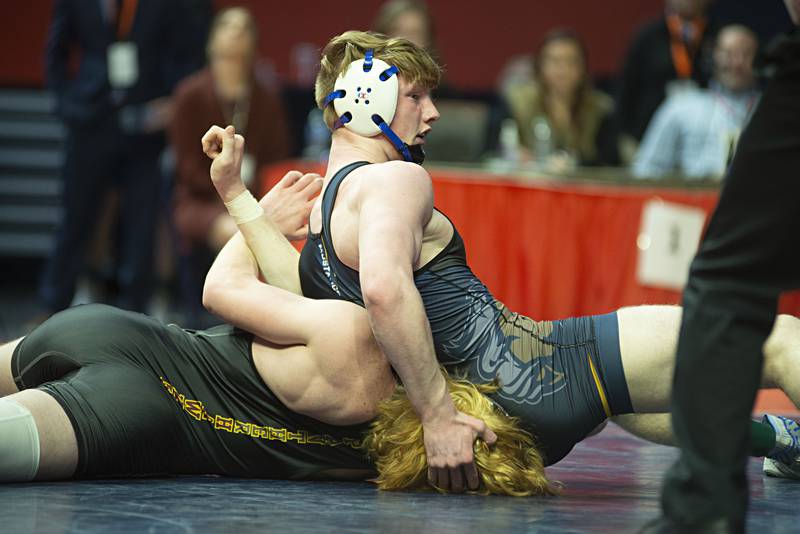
(198, 412)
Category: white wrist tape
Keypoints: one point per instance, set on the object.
(244, 208)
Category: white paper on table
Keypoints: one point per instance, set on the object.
(669, 235)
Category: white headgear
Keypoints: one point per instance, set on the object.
(365, 100)
(365, 95)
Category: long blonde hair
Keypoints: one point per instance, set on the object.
(512, 466)
(415, 64)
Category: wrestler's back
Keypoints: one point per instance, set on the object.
(338, 377)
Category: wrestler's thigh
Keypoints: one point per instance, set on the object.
(58, 446)
(648, 337)
(7, 385)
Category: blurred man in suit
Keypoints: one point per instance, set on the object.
(114, 107)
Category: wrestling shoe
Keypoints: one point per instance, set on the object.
(784, 460)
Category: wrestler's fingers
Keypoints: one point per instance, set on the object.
(488, 435)
(228, 142)
(305, 181)
(456, 480)
(289, 179)
(471, 473)
(480, 428)
(314, 188)
(443, 479)
(212, 141)
(238, 147)
(300, 233)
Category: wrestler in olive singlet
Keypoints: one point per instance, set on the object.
(149, 399)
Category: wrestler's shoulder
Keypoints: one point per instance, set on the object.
(396, 174)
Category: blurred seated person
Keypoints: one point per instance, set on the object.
(412, 20)
(518, 69)
(409, 19)
(226, 92)
(694, 132)
(558, 113)
(667, 55)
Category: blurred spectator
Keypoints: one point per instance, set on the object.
(409, 19)
(667, 55)
(196, 18)
(412, 20)
(695, 132)
(559, 116)
(226, 92)
(517, 70)
(128, 56)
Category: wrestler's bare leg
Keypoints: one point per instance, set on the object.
(655, 427)
(648, 338)
(58, 446)
(7, 385)
(782, 358)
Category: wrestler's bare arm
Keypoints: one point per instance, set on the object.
(394, 204)
(286, 209)
(233, 291)
(277, 259)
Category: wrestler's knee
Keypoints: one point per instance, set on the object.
(781, 350)
(37, 441)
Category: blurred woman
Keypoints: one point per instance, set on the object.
(409, 19)
(571, 119)
(227, 91)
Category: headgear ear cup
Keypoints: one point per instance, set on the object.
(365, 100)
(365, 95)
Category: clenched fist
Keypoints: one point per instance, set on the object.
(226, 149)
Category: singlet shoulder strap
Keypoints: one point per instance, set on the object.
(329, 198)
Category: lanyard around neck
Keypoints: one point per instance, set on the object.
(734, 112)
(684, 50)
(126, 11)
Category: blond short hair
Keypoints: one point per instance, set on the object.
(512, 466)
(415, 64)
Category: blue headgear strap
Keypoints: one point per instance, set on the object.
(333, 96)
(341, 121)
(385, 75)
(368, 60)
(396, 141)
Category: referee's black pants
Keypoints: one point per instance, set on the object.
(748, 256)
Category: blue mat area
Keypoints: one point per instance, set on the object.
(611, 484)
